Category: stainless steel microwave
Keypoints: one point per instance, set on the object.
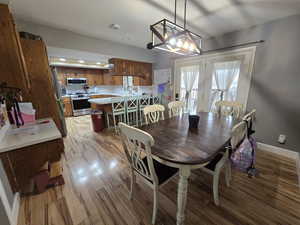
(76, 81)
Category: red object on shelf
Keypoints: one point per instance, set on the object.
(97, 121)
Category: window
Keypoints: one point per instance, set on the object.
(225, 79)
(189, 79)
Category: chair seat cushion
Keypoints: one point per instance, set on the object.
(212, 164)
(163, 172)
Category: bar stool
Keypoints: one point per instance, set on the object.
(144, 101)
(118, 112)
(132, 108)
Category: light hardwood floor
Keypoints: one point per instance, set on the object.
(97, 190)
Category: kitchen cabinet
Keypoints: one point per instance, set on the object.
(40, 75)
(68, 111)
(12, 65)
(141, 71)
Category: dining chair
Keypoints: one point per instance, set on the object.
(175, 108)
(136, 144)
(221, 160)
(144, 101)
(132, 109)
(118, 112)
(153, 113)
(229, 108)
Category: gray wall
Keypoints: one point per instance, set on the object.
(4, 1)
(68, 40)
(275, 87)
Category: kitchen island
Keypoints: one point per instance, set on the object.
(105, 104)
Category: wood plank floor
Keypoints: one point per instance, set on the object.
(97, 189)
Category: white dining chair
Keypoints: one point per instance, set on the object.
(221, 160)
(136, 144)
(153, 113)
(229, 108)
(175, 108)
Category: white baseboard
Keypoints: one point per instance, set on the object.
(277, 150)
(15, 210)
(284, 152)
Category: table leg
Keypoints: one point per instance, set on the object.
(184, 174)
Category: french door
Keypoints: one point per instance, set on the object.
(219, 76)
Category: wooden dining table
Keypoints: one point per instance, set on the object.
(178, 146)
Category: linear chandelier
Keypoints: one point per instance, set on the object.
(171, 37)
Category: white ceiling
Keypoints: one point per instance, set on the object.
(205, 17)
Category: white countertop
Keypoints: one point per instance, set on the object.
(105, 101)
(29, 135)
(98, 93)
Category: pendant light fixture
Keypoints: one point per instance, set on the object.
(171, 37)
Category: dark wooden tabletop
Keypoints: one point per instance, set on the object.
(175, 142)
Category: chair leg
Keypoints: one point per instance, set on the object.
(132, 183)
(107, 120)
(155, 204)
(136, 119)
(115, 125)
(216, 187)
(228, 173)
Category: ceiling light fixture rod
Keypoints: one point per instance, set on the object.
(175, 11)
(234, 46)
(184, 25)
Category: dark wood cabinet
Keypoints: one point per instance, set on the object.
(42, 88)
(68, 111)
(13, 68)
(141, 71)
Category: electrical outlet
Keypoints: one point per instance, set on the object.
(282, 139)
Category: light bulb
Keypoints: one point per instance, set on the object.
(179, 43)
(186, 45)
(192, 47)
(172, 41)
(166, 36)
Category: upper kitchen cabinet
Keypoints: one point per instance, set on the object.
(12, 66)
(141, 71)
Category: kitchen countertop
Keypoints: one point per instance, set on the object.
(30, 134)
(98, 93)
(105, 101)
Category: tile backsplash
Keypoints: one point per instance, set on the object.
(113, 89)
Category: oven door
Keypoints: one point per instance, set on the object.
(81, 106)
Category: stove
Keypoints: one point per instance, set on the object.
(80, 104)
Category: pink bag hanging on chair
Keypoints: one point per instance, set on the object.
(242, 158)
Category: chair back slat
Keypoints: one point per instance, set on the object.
(175, 108)
(153, 113)
(238, 133)
(155, 100)
(136, 144)
(132, 103)
(118, 105)
(144, 101)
